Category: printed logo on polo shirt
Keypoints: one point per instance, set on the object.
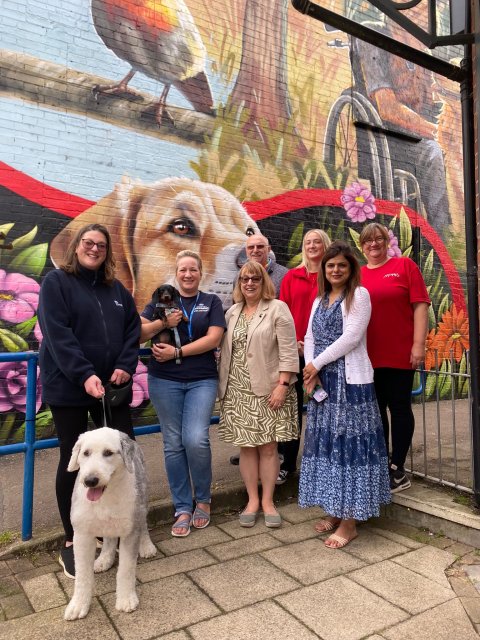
(391, 275)
(118, 304)
(201, 308)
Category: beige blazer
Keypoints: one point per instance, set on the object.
(271, 346)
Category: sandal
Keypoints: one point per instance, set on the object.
(183, 525)
(323, 525)
(200, 514)
(342, 542)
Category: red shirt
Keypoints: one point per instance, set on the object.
(298, 290)
(394, 288)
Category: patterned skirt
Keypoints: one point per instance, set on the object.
(344, 465)
(246, 420)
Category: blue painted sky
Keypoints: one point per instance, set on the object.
(82, 156)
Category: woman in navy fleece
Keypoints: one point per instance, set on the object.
(91, 333)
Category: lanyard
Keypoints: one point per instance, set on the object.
(190, 315)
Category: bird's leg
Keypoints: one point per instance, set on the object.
(161, 110)
(118, 88)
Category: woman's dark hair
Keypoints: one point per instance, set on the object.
(340, 248)
(70, 263)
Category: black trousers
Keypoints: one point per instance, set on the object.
(394, 392)
(70, 422)
(289, 449)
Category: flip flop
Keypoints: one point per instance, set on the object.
(342, 542)
(184, 525)
(200, 514)
(326, 525)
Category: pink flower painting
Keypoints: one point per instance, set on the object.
(394, 250)
(18, 297)
(140, 385)
(13, 387)
(358, 202)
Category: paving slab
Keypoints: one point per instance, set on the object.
(296, 532)
(401, 586)
(446, 622)
(294, 514)
(371, 548)
(50, 624)
(16, 606)
(196, 540)
(429, 562)
(311, 561)
(44, 592)
(165, 605)
(243, 581)
(243, 547)
(340, 609)
(396, 537)
(233, 528)
(169, 566)
(257, 622)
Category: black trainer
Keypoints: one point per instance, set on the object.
(398, 480)
(67, 561)
(235, 460)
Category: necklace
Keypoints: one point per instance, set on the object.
(249, 312)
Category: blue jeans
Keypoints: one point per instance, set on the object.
(184, 410)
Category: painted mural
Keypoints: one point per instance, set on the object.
(190, 123)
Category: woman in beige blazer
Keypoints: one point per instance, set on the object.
(258, 363)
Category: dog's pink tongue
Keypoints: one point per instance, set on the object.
(94, 493)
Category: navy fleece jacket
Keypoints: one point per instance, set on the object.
(88, 328)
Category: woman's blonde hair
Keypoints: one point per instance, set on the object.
(71, 264)
(326, 243)
(186, 253)
(370, 230)
(252, 268)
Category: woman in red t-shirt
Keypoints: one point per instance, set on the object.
(299, 289)
(395, 340)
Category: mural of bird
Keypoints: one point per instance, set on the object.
(160, 39)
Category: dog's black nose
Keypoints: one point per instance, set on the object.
(91, 481)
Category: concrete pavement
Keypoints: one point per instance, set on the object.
(394, 582)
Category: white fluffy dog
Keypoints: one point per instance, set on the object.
(109, 500)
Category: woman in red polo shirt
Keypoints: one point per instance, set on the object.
(395, 340)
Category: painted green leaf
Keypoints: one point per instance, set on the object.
(445, 380)
(427, 267)
(444, 305)
(430, 385)
(24, 329)
(295, 242)
(26, 240)
(12, 342)
(407, 252)
(295, 261)
(5, 228)
(31, 261)
(405, 230)
(6, 426)
(356, 238)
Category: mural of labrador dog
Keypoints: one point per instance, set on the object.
(151, 223)
(110, 500)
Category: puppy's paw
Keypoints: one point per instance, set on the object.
(127, 602)
(103, 563)
(76, 609)
(147, 549)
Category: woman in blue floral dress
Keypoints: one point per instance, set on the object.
(344, 464)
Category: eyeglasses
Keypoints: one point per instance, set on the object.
(377, 240)
(254, 279)
(89, 244)
(251, 247)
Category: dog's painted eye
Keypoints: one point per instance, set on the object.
(107, 453)
(183, 227)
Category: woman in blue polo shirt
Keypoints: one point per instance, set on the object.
(182, 384)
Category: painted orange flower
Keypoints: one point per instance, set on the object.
(452, 334)
(430, 351)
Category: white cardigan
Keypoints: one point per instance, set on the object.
(352, 343)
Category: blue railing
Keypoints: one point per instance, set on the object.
(30, 445)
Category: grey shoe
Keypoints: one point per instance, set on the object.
(273, 521)
(247, 519)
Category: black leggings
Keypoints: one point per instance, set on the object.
(394, 391)
(70, 422)
(289, 449)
